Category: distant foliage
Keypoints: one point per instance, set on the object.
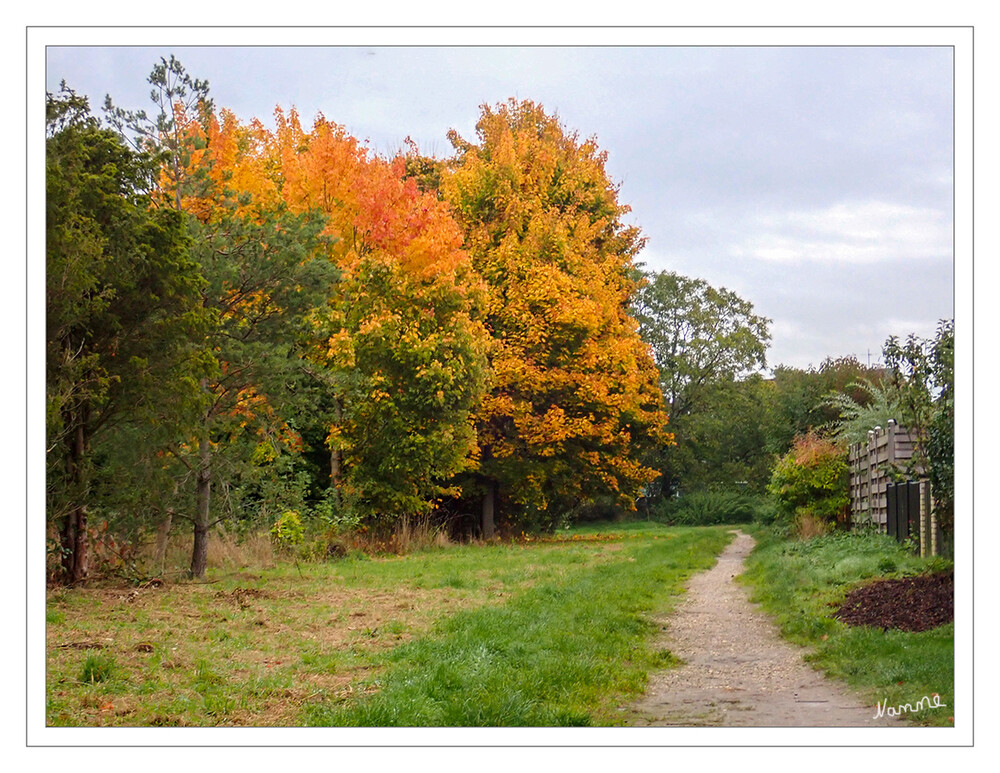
(707, 343)
(799, 396)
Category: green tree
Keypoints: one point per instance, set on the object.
(265, 272)
(923, 372)
(167, 137)
(727, 445)
(121, 305)
(263, 278)
(704, 341)
(802, 396)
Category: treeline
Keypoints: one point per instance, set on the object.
(245, 322)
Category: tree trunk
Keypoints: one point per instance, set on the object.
(335, 453)
(74, 535)
(199, 554)
(488, 526)
(162, 533)
(74, 543)
(335, 468)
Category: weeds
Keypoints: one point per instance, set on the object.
(97, 668)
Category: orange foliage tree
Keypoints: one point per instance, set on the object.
(265, 273)
(575, 404)
(399, 338)
(260, 279)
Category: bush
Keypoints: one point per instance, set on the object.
(328, 528)
(765, 511)
(811, 480)
(288, 532)
(707, 508)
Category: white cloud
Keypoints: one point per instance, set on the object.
(859, 233)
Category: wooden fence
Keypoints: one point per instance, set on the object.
(887, 449)
(875, 499)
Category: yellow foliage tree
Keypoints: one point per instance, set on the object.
(575, 403)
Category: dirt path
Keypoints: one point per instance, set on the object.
(737, 671)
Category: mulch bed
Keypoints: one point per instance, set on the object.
(909, 604)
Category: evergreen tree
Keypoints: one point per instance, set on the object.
(121, 307)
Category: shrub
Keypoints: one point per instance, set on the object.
(708, 507)
(288, 532)
(765, 511)
(811, 479)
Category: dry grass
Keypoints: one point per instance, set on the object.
(231, 551)
(406, 536)
(227, 551)
(188, 653)
(262, 637)
(808, 526)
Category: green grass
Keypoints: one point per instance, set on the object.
(281, 645)
(564, 652)
(802, 582)
(97, 668)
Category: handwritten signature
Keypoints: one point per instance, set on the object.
(927, 702)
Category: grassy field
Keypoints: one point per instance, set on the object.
(549, 632)
(801, 582)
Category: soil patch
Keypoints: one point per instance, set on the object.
(909, 604)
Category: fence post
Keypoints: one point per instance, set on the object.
(935, 531)
(925, 521)
(913, 488)
(891, 511)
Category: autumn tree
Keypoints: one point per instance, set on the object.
(575, 402)
(704, 340)
(264, 272)
(399, 339)
(121, 307)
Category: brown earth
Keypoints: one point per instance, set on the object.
(909, 604)
(736, 669)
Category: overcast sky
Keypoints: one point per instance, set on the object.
(816, 182)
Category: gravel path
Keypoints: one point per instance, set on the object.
(736, 670)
